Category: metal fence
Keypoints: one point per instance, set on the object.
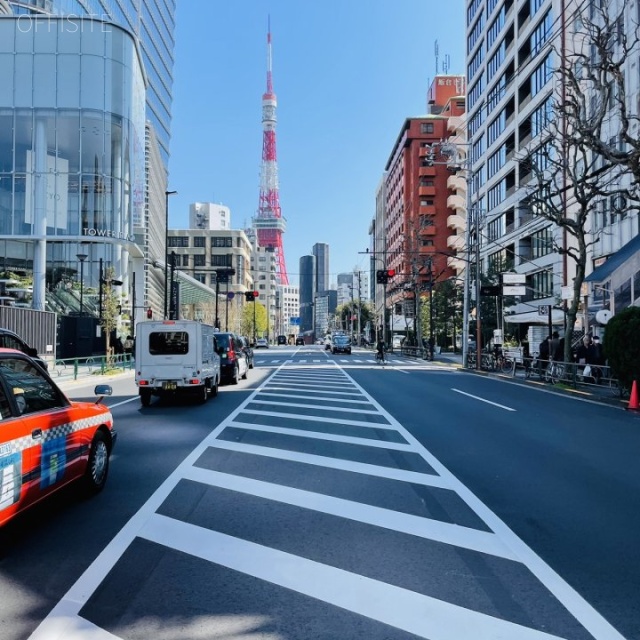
(74, 368)
(37, 328)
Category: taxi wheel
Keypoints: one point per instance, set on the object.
(98, 465)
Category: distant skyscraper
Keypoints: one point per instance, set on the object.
(307, 279)
(321, 252)
(208, 215)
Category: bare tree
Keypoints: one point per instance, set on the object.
(603, 111)
(577, 165)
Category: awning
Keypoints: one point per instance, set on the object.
(533, 317)
(604, 271)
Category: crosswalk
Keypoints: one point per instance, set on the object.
(311, 512)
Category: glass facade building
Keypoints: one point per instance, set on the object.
(71, 146)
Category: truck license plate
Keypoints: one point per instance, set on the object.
(169, 386)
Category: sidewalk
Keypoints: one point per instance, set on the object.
(71, 377)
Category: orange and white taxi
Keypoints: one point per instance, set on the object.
(46, 440)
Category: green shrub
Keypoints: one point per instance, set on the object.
(621, 345)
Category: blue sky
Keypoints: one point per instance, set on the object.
(346, 74)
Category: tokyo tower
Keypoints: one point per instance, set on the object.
(269, 223)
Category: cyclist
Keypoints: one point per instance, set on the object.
(380, 350)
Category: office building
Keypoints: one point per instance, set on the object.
(307, 290)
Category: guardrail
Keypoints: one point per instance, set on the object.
(571, 374)
(74, 368)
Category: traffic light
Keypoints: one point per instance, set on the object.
(149, 314)
(383, 275)
(256, 294)
(249, 296)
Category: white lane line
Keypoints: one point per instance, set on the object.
(426, 528)
(330, 437)
(312, 406)
(412, 612)
(118, 404)
(363, 468)
(355, 423)
(324, 397)
(495, 404)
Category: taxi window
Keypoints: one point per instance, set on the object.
(5, 409)
(168, 343)
(31, 390)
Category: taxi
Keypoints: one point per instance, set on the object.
(46, 440)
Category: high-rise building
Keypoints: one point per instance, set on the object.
(321, 251)
(101, 137)
(514, 49)
(307, 291)
(416, 194)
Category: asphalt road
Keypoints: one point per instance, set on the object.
(330, 497)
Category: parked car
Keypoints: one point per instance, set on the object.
(233, 362)
(341, 344)
(262, 343)
(46, 440)
(248, 350)
(299, 341)
(11, 340)
(282, 340)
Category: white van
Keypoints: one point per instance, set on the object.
(175, 357)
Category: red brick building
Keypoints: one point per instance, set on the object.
(417, 193)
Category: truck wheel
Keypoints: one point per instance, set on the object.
(203, 393)
(214, 387)
(145, 398)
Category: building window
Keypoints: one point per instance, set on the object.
(178, 241)
(541, 243)
(217, 241)
(218, 260)
(426, 127)
(198, 261)
(542, 75)
(541, 284)
(199, 242)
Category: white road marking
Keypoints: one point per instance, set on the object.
(495, 404)
(313, 406)
(363, 468)
(412, 612)
(355, 423)
(330, 437)
(117, 404)
(453, 534)
(324, 396)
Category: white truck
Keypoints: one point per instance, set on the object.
(176, 357)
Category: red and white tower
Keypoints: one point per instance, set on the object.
(269, 223)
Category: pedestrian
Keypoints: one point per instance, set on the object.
(128, 345)
(543, 357)
(558, 352)
(586, 359)
(553, 345)
(598, 358)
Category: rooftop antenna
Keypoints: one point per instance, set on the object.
(446, 64)
(436, 50)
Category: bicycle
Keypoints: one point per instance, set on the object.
(555, 372)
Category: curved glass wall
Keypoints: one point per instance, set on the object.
(72, 105)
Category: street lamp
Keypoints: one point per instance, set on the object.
(82, 257)
(166, 248)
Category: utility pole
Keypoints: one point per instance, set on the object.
(359, 309)
(431, 337)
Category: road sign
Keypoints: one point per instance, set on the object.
(514, 278)
(294, 321)
(514, 290)
(230, 295)
(490, 290)
(543, 309)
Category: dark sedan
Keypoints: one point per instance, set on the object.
(341, 344)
